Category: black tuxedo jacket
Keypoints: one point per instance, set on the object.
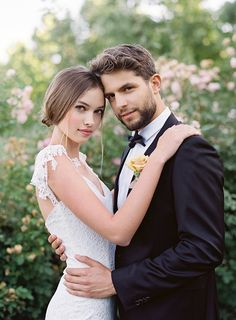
(167, 271)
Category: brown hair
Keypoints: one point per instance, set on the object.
(64, 90)
(124, 57)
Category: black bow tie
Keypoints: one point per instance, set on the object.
(137, 138)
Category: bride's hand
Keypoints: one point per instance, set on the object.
(171, 140)
(58, 247)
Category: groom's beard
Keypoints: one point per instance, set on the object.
(145, 116)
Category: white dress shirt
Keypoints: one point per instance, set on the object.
(149, 133)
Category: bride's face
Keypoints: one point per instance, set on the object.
(84, 118)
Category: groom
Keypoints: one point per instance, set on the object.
(167, 271)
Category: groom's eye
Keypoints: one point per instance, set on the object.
(128, 88)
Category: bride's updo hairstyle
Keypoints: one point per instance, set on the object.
(64, 90)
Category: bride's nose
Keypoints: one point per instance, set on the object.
(89, 120)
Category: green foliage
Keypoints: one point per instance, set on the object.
(206, 97)
(228, 14)
(178, 29)
(28, 271)
(111, 22)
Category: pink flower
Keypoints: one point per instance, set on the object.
(206, 76)
(22, 102)
(12, 101)
(194, 80)
(27, 105)
(28, 90)
(176, 89)
(213, 86)
(118, 130)
(116, 161)
(206, 63)
(21, 117)
(43, 143)
(233, 62)
(230, 85)
(226, 41)
(174, 105)
(168, 74)
(192, 68)
(230, 51)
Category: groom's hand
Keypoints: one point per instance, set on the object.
(92, 282)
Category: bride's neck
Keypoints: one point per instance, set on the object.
(58, 137)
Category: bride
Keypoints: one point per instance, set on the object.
(75, 204)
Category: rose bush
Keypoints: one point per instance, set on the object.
(205, 96)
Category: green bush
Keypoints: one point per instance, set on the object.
(205, 96)
(28, 270)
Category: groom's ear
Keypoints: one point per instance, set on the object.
(155, 82)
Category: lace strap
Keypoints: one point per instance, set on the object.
(40, 175)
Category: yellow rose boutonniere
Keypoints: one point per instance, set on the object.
(137, 164)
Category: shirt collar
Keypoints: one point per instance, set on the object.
(155, 126)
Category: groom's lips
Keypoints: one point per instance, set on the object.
(127, 114)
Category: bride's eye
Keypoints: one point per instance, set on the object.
(100, 111)
(80, 107)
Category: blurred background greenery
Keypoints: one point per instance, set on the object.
(195, 52)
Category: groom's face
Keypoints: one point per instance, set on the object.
(131, 97)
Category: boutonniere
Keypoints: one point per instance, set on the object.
(136, 165)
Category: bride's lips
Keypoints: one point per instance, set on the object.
(85, 132)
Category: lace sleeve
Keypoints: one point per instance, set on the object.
(40, 175)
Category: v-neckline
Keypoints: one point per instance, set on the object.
(77, 162)
(102, 194)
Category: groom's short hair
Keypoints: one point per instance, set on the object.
(131, 57)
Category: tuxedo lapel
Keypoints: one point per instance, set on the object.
(116, 188)
(169, 122)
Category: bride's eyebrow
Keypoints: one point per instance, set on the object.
(87, 105)
(82, 102)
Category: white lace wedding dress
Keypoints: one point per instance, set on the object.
(78, 238)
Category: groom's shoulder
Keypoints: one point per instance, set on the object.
(196, 146)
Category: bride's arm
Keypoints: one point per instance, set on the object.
(70, 187)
